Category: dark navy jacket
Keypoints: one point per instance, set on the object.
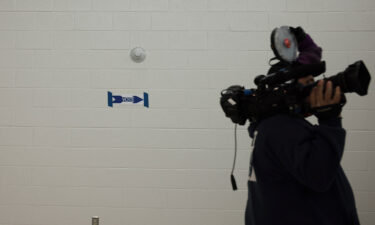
(299, 179)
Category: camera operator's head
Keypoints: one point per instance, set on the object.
(306, 80)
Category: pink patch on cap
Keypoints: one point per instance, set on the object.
(287, 42)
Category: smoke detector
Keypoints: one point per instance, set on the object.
(138, 54)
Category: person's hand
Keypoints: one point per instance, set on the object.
(325, 103)
(319, 99)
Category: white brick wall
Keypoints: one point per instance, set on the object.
(65, 156)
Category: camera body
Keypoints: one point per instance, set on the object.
(240, 104)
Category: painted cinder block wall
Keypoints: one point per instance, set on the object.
(65, 156)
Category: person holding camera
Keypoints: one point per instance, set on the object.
(295, 173)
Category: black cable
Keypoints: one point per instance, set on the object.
(232, 179)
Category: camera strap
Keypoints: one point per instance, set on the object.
(252, 176)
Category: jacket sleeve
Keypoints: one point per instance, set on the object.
(312, 154)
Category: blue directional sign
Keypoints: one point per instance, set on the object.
(117, 99)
